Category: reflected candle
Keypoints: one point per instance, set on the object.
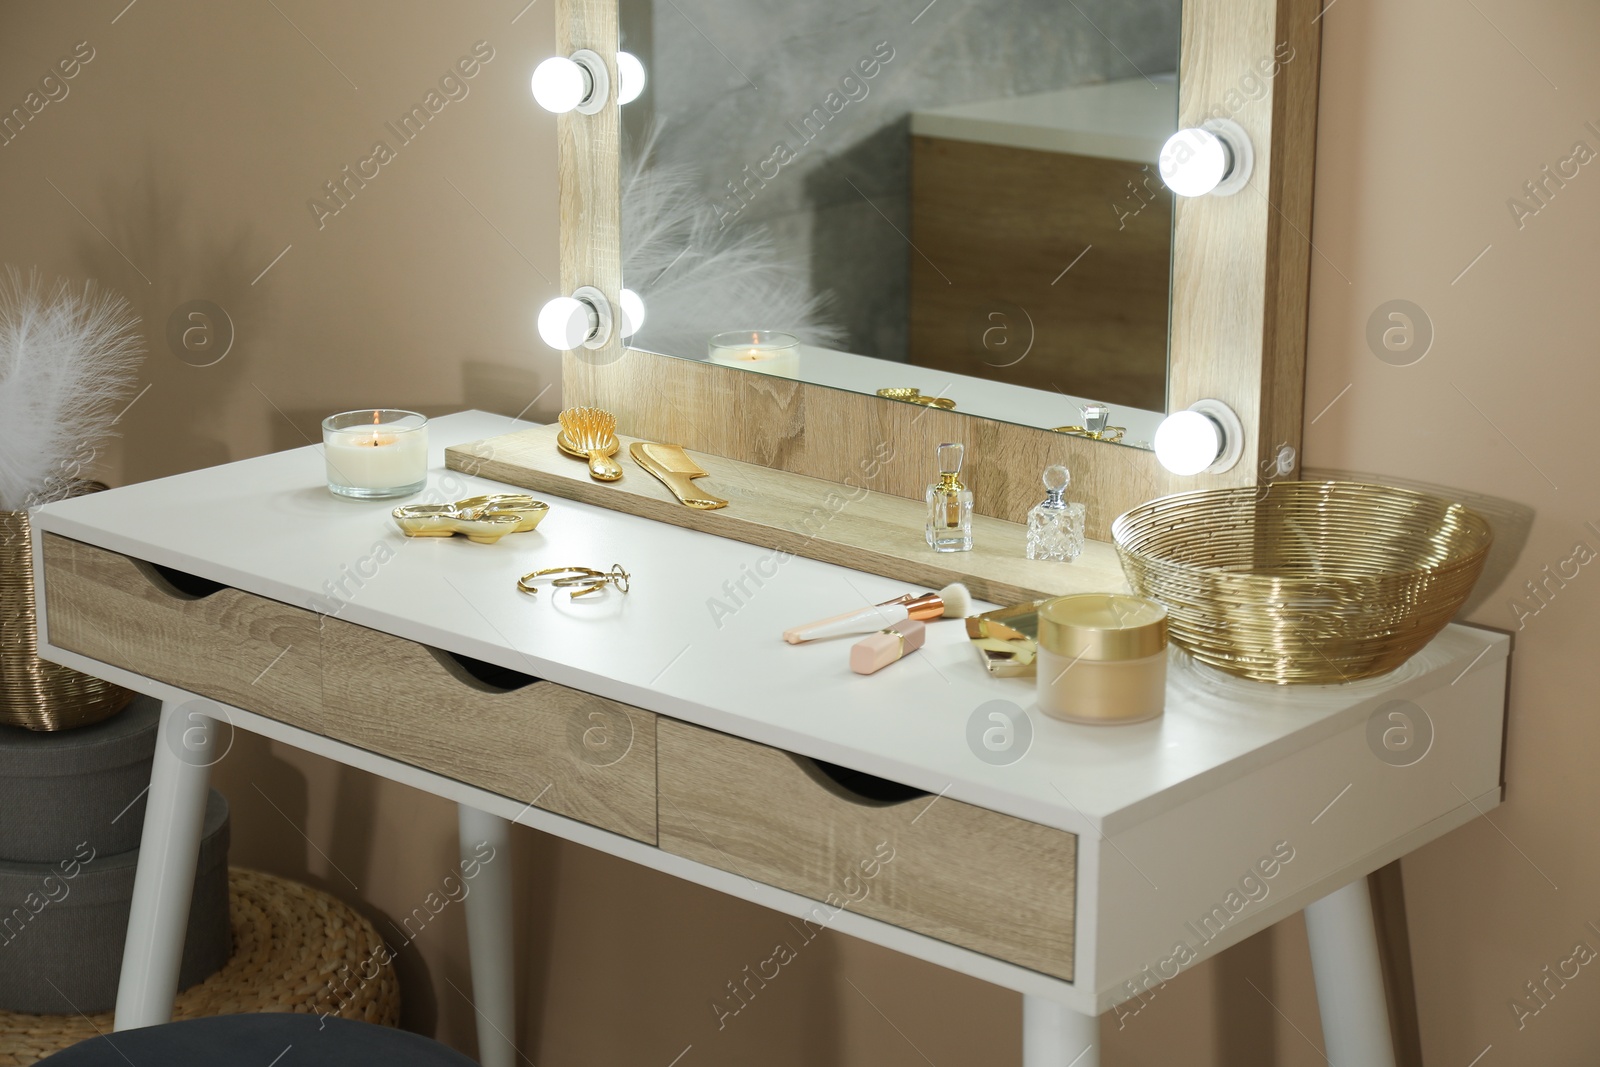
(376, 453)
(764, 351)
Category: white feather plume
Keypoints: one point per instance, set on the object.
(697, 279)
(68, 358)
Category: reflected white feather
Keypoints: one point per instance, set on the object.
(698, 279)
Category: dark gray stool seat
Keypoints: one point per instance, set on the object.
(279, 1038)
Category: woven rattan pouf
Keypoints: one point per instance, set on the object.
(295, 949)
(250, 1039)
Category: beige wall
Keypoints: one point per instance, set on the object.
(198, 132)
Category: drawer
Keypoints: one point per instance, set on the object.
(229, 645)
(984, 881)
(572, 753)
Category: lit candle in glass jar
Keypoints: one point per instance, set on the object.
(765, 351)
(376, 453)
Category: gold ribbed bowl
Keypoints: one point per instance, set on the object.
(1303, 582)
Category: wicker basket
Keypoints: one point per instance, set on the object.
(1304, 582)
(294, 949)
(33, 693)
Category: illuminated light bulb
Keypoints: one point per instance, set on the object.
(560, 84)
(565, 323)
(1187, 442)
(632, 311)
(630, 77)
(580, 320)
(1207, 437)
(1215, 158)
(1194, 162)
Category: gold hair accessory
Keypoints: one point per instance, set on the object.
(484, 519)
(672, 466)
(912, 395)
(581, 580)
(591, 434)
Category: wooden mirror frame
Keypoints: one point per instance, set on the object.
(1240, 274)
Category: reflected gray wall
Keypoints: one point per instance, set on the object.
(731, 80)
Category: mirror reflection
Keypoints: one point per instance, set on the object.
(956, 202)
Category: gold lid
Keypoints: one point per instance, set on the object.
(1103, 626)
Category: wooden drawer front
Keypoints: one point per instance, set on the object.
(232, 646)
(987, 882)
(568, 752)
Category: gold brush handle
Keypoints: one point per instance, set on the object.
(603, 467)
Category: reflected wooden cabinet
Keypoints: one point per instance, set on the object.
(995, 229)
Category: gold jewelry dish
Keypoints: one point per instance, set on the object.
(1304, 582)
(581, 580)
(484, 519)
(1096, 425)
(1110, 433)
(591, 434)
(913, 395)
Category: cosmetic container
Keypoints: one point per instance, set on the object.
(949, 504)
(1102, 658)
(1055, 525)
(875, 652)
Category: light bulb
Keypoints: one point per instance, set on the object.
(565, 323)
(1215, 158)
(1188, 442)
(1194, 162)
(632, 312)
(630, 77)
(560, 84)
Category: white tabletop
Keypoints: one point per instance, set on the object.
(1128, 119)
(269, 526)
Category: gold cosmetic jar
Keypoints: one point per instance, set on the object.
(1102, 658)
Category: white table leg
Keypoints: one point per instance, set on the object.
(1344, 959)
(1053, 1035)
(174, 817)
(488, 905)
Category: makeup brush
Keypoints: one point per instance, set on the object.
(794, 638)
(951, 602)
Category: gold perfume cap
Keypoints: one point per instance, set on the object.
(1103, 626)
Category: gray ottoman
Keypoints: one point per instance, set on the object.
(63, 924)
(258, 1040)
(59, 789)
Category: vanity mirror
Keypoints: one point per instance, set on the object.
(948, 214)
(970, 190)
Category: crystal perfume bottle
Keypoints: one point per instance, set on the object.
(950, 504)
(1055, 526)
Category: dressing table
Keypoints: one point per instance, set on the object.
(1082, 868)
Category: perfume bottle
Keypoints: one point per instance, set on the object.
(950, 504)
(1055, 527)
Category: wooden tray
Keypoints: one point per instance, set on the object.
(853, 527)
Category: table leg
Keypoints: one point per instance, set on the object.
(174, 817)
(1053, 1035)
(1344, 960)
(486, 842)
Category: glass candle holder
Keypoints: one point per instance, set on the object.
(375, 454)
(764, 351)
